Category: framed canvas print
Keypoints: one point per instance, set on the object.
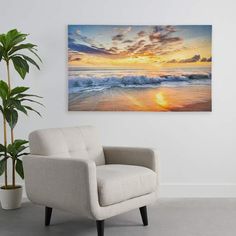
(139, 68)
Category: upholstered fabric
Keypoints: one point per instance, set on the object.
(71, 185)
(76, 142)
(146, 157)
(64, 183)
(62, 173)
(117, 183)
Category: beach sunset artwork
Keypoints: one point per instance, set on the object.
(139, 68)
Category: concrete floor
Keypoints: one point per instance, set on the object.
(170, 217)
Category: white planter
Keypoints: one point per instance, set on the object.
(11, 198)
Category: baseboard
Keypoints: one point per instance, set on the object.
(225, 190)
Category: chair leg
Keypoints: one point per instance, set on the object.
(143, 211)
(48, 214)
(100, 227)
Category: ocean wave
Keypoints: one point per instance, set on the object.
(97, 84)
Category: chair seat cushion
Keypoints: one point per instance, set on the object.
(117, 183)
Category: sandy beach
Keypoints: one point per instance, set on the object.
(190, 98)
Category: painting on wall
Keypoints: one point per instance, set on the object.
(139, 67)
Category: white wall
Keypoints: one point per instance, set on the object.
(197, 150)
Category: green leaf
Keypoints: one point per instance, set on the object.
(11, 150)
(9, 38)
(2, 148)
(27, 95)
(30, 100)
(19, 168)
(30, 60)
(31, 109)
(12, 34)
(1, 52)
(22, 46)
(3, 93)
(18, 90)
(23, 154)
(4, 85)
(18, 39)
(4, 89)
(13, 103)
(20, 107)
(35, 54)
(20, 142)
(13, 37)
(2, 166)
(21, 66)
(11, 116)
(15, 149)
(20, 149)
(3, 40)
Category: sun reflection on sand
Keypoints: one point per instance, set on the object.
(161, 100)
(191, 98)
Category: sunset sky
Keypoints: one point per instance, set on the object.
(139, 47)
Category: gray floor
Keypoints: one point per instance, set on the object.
(170, 217)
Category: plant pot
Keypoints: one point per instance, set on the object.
(11, 198)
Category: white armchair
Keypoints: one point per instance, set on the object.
(68, 169)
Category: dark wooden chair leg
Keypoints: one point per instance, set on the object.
(100, 227)
(143, 211)
(48, 214)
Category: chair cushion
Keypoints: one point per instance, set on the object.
(117, 183)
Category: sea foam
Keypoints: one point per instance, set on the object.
(77, 84)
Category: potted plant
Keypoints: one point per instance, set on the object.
(12, 101)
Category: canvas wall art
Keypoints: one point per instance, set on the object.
(139, 67)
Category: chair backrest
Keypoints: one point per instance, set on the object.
(77, 142)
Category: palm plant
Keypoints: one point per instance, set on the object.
(14, 151)
(12, 50)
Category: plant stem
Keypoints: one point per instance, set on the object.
(5, 144)
(12, 133)
(13, 163)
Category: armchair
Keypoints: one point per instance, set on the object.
(68, 169)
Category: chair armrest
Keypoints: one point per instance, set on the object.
(146, 157)
(63, 183)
